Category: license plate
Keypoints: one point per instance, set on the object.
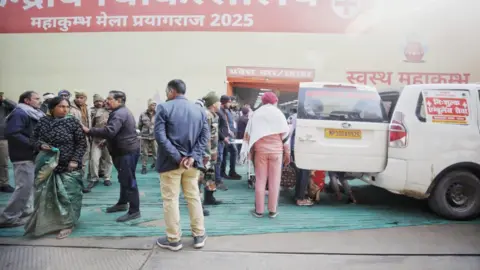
(343, 134)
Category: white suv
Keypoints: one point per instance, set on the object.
(423, 142)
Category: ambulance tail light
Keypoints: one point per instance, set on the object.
(398, 131)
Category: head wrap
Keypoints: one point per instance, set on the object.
(48, 96)
(269, 98)
(97, 97)
(64, 92)
(210, 99)
(80, 94)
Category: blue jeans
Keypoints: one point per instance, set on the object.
(303, 179)
(231, 150)
(126, 166)
(218, 164)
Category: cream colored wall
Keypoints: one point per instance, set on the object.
(142, 63)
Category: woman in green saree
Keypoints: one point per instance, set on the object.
(58, 179)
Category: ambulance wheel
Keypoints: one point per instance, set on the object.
(456, 196)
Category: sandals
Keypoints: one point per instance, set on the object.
(64, 233)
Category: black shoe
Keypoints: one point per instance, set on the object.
(226, 176)
(117, 208)
(144, 170)
(91, 185)
(128, 217)
(86, 190)
(206, 213)
(272, 214)
(153, 166)
(164, 243)
(209, 199)
(107, 183)
(255, 214)
(199, 241)
(7, 189)
(235, 176)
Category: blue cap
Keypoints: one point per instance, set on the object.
(64, 92)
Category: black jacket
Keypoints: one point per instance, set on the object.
(120, 132)
(222, 125)
(6, 107)
(19, 130)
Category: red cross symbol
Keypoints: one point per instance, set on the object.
(347, 5)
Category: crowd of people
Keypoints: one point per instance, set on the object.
(60, 149)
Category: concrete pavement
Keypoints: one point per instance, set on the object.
(425, 247)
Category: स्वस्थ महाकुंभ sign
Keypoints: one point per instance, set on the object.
(382, 77)
(301, 16)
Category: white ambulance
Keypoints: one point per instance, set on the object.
(423, 142)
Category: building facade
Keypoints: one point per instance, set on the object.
(138, 46)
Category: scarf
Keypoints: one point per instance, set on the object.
(84, 111)
(265, 121)
(31, 112)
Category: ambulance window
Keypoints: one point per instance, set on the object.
(341, 104)
(420, 110)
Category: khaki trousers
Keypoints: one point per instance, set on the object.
(170, 184)
(98, 154)
(3, 163)
(148, 146)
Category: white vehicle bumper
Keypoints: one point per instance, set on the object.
(393, 178)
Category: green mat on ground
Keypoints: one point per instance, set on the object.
(376, 209)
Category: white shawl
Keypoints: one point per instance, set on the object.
(266, 120)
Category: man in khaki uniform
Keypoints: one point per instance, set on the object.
(98, 151)
(80, 110)
(146, 127)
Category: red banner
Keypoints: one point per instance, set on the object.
(305, 16)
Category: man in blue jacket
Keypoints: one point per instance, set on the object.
(182, 134)
(19, 128)
(124, 147)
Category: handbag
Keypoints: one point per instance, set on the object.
(289, 176)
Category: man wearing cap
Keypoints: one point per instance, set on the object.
(230, 149)
(46, 99)
(65, 94)
(225, 144)
(212, 104)
(6, 107)
(99, 156)
(146, 127)
(80, 111)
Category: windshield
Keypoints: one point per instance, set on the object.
(340, 104)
